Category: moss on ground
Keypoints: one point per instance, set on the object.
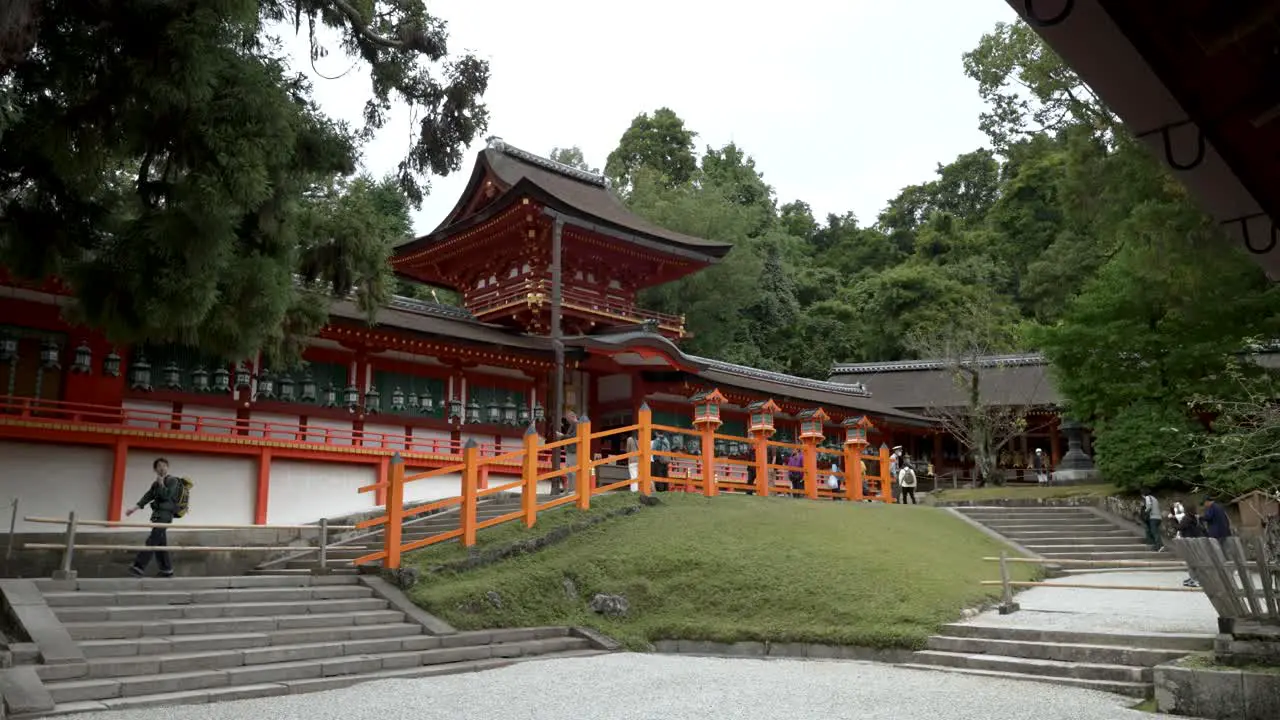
(735, 568)
(1207, 661)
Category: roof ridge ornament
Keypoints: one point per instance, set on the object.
(500, 145)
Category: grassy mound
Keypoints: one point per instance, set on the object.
(738, 568)
(1023, 492)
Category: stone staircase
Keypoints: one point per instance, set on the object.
(340, 555)
(1108, 662)
(1068, 533)
(151, 642)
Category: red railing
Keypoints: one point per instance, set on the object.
(588, 300)
(707, 480)
(213, 427)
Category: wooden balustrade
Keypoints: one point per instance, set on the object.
(708, 478)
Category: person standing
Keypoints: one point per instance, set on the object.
(633, 461)
(1188, 527)
(1151, 520)
(1216, 523)
(162, 496)
(658, 468)
(796, 476)
(1041, 465)
(907, 481)
(895, 466)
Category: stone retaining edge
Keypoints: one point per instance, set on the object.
(598, 639)
(997, 536)
(399, 601)
(769, 649)
(1217, 693)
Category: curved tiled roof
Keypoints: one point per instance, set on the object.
(852, 389)
(989, 361)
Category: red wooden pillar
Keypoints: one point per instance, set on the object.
(384, 467)
(264, 487)
(119, 464)
(1055, 445)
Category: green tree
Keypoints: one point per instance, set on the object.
(660, 142)
(164, 159)
(573, 157)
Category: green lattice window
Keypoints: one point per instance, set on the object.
(736, 428)
(673, 418)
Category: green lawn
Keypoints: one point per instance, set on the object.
(739, 568)
(1024, 492)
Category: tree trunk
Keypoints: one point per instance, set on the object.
(18, 20)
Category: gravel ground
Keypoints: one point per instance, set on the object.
(1088, 610)
(667, 687)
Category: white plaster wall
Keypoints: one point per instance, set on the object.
(52, 480)
(316, 431)
(226, 487)
(151, 415)
(426, 440)
(303, 491)
(384, 435)
(217, 421)
(436, 488)
(613, 387)
(274, 426)
(481, 438)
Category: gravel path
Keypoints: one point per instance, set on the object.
(1088, 610)
(665, 687)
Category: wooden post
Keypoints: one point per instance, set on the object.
(395, 512)
(380, 495)
(1007, 605)
(762, 464)
(811, 468)
(470, 479)
(119, 465)
(585, 471)
(645, 438)
(886, 479)
(529, 473)
(263, 494)
(853, 471)
(709, 488)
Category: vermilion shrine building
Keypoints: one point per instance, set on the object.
(81, 420)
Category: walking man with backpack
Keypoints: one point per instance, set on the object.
(168, 497)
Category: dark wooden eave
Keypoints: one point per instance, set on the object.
(518, 174)
(1196, 80)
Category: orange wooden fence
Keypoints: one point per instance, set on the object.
(709, 478)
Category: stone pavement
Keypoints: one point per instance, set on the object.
(1121, 611)
(629, 686)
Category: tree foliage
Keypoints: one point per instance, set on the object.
(166, 160)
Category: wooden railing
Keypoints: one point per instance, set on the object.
(482, 303)
(56, 412)
(709, 478)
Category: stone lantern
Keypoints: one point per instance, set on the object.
(855, 431)
(1075, 466)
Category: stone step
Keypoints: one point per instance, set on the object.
(1072, 540)
(1033, 516)
(178, 662)
(1134, 656)
(58, 600)
(1030, 535)
(1024, 508)
(169, 683)
(1087, 548)
(1065, 526)
(189, 584)
(1137, 690)
(1186, 642)
(150, 645)
(201, 626)
(1104, 556)
(277, 570)
(215, 610)
(1035, 666)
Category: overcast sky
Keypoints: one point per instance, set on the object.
(841, 103)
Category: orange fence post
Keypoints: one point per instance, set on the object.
(811, 468)
(585, 471)
(529, 473)
(853, 471)
(709, 460)
(762, 464)
(645, 437)
(395, 512)
(470, 475)
(886, 477)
